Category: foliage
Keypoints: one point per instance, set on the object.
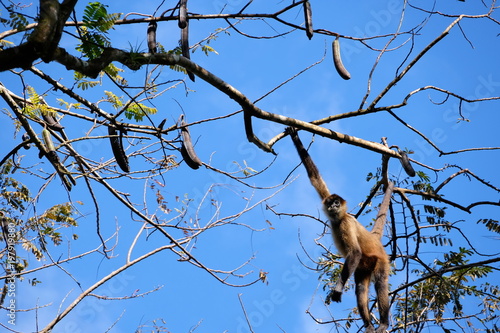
(37, 107)
(83, 82)
(93, 33)
(448, 283)
(133, 110)
(16, 20)
(34, 233)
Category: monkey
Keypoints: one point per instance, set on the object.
(364, 254)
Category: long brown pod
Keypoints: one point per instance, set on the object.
(56, 162)
(51, 121)
(187, 149)
(405, 163)
(152, 36)
(185, 47)
(337, 60)
(308, 19)
(182, 14)
(118, 151)
(26, 140)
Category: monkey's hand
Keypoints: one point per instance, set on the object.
(333, 295)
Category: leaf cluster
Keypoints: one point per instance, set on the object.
(37, 107)
(96, 24)
(133, 110)
(36, 232)
(446, 291)
(84, 83)
(16, 20)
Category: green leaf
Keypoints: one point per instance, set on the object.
(115, 101)
(96, 23)
(17, 21)
(207, 49)
(137, 111)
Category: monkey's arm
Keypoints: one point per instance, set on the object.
(312, 171)
(350, 265)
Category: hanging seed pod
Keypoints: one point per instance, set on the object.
(161, 124)
(51, 121)
(337, 60)
(152, 36)
(185, 47)
(187, 149)
(405, 163)
(182, 14)
(52, 156)
(118, 151)
(26, 140)
(308, 19)
(48, 140)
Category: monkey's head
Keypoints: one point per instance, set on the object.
(335, 207)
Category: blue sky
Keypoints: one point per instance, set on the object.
(189, 296)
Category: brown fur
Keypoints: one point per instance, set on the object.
(364, 254)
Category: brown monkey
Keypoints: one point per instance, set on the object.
(363, 251)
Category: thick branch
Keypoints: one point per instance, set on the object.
(433, 196)
(248, 106)
(135, 61)
(43, 41)
(60, 169)
(92, 69)
(378, 227)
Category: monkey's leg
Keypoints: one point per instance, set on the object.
(362, 280)
(382, 288)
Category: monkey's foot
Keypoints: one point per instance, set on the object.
(381, 329)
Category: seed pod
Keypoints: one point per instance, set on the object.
(48, 140)
(26, 139)
(405, 163)
(185, 47)
(187, 149)
(182, 14)
(118, 151)
(51, 121)
(308, 19)
(56, 162)
(337, 61)
(152, 36)
(161, 124)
